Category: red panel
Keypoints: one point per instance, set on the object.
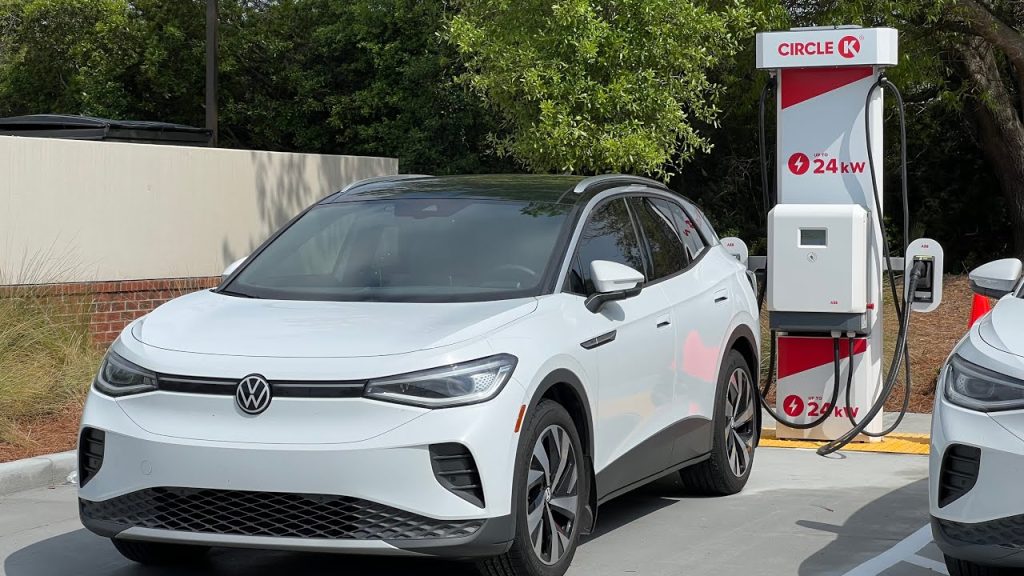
(798, 355)
(802, 84)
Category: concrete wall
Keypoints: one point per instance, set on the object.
(76, 211)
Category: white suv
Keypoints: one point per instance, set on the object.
(461, 367)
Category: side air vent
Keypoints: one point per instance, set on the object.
(90, 454)
(455, 469)
(959, 473)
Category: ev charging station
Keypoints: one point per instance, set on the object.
(825, 234)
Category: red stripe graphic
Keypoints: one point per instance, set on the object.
(799, 354)
(802, 84)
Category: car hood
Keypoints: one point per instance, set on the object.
(210, 323)
(1003, 329)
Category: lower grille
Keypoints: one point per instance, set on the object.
(1005, 532)
(277, 514)
(960, 466)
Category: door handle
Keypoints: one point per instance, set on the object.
(721, 296)
(664, 324)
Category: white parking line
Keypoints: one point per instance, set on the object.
(905, 551)
(933, 565)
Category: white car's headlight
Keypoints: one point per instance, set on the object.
(119, 377)
(977, 388)
(456, 385)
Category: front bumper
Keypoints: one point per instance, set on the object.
(984, 524)
(994, 543)
(389, 477)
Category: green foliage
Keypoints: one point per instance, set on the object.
(589, 86)
(358, 77)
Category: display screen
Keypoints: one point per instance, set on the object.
(813, 237)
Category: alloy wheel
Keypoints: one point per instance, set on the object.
(552, 496)
(740, 428)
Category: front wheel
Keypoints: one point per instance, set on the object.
(736, 429)
(551, 487)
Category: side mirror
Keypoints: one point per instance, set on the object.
(996, 279)
(613, 281)
(737, 249)
(232, 267)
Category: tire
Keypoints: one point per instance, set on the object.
(965, 568)
(548, 495)
(159, 554)
(736, 430)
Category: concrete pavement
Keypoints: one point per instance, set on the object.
(853, 515)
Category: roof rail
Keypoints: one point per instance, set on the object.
(376, 179)
(587, 183)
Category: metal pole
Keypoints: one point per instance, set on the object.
(211, 68)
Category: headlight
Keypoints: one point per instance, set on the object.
(455, 385)
(977, 388)
(119, 377)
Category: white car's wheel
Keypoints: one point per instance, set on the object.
(551, 488)
(736, 429)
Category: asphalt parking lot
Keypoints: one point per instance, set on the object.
(853, 515)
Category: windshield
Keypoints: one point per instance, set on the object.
(410, 250)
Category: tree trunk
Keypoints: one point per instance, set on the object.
(1000, 131)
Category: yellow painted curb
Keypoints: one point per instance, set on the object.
(892, 444)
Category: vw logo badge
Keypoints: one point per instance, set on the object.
(253, 394)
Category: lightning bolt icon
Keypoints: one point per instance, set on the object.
(799, 163)
(792, 406)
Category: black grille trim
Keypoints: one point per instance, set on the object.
(456, 470)
(91, 445)
(959, 474)
(276, 514)
(281, 389)
(1004, 532)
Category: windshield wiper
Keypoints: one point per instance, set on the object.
(237, 294)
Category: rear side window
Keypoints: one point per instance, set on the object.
(668, 256)
(684, 225)
(609, 235)
(702, 222)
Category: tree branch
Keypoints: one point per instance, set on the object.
(1000, 34)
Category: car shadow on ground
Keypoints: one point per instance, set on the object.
(81, 553)
(870, 530)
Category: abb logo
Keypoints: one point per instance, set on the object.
(848, 47)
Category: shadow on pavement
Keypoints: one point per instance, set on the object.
(81, 553)
(869, 531)
(634, 505)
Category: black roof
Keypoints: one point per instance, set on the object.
(515, 187)
(89, 128)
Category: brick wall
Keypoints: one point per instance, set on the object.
(116, 304)
(107, 307)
